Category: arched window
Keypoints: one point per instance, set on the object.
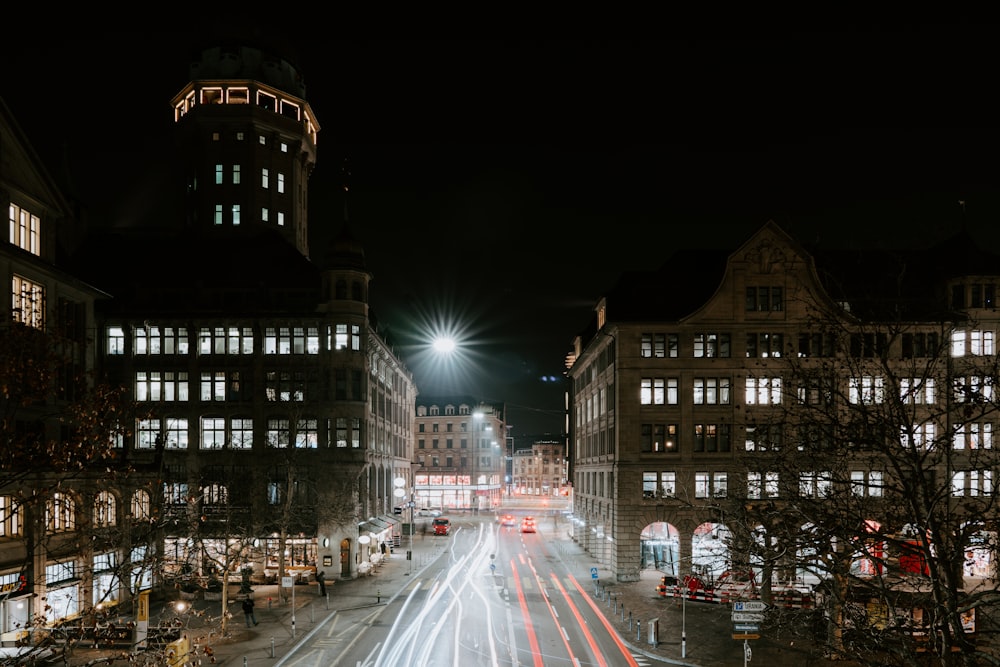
(60, 513)
(105, 509)
(141, 506)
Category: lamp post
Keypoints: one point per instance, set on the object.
(474, 500)
(400, 492)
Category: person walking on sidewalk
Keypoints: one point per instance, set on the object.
(321, 578)
(248, 611)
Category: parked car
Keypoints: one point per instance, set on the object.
(442, 526)
(428, 511)
(528, 524)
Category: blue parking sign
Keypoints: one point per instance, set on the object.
(593, 573)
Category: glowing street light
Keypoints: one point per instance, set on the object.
(444, 345)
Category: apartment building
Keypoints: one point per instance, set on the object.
(752, 390)
(50, 491)
(460, 455)
(540, 470)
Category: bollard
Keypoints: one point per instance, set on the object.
(312, 614)
(244, 661)
(638, 630)
(378, 596)
(272, 647)
(629, 619)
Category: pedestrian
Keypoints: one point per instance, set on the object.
(321, 578)
(248, 611)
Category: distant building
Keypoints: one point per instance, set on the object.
(540, 470)
(460, 454)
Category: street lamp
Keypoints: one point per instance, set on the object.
(474, 500)
(400, 492)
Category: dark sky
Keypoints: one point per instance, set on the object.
(549, 167)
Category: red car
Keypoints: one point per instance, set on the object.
(442, 526)
(528, 524)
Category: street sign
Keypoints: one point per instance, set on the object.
(593, 573)
(750, 605)
(745, 636)
(747, 617)
(746, 627)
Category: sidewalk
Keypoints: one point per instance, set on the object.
(687, 633)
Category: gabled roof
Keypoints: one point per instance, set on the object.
(878, 283)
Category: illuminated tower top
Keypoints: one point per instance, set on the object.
(247, 143)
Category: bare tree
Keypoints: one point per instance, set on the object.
(872, 477)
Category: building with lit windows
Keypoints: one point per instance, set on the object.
(267, 401)
(743, 390)
(50, 494)
(540, 470)
(460, 453)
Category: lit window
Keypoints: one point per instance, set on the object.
(239, 136)
(242, 432)
(60, 513)
(218, 174)
(867, 389)
(236, 174)
(105, 509)
(213, 386)
(262, 139)
(973, 436)
(213, 433)
(917, 390)
(284, 147)
(147, 434)
(141, 504)
(116, 340)
(264, 178)
(918, 436)
(177, 433)
(236, 214)
(10, 517)
(281, 219)
(277, 433)
(24, 229)
(28, 302)
(281, 182)
(958, 343)
(307, 434)
(763, 391)
(263, 215)
(981, 343)
(866, 483)
(218, 214)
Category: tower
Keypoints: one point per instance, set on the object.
(246, 143)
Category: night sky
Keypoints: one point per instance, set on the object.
(550, 167)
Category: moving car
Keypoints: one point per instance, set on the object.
(442, 526)
(528, 524)
(428, 511)
(508, 520)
